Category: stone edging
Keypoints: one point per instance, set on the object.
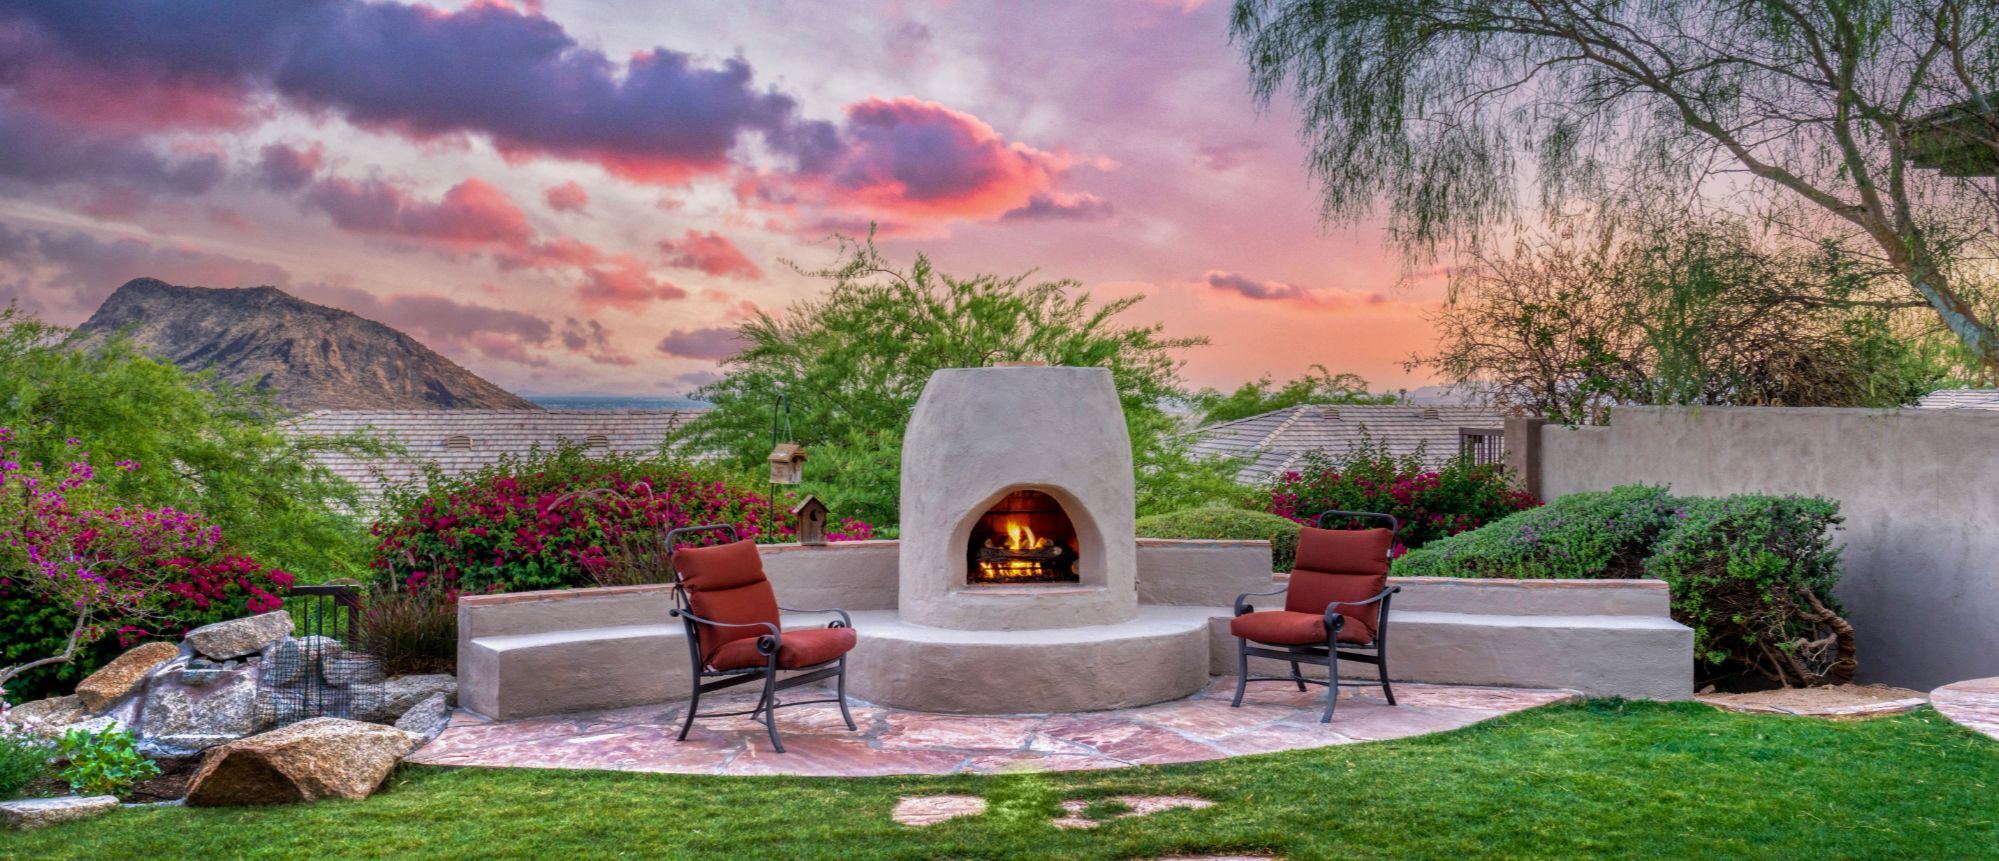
(1867, 710)
(1973, 704)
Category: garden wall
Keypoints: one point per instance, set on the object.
(1919, 490)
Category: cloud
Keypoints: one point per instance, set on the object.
(1068, 207)
(1224, 157)
(591, 340)
(41, 149)
(444, 323)
(471, 214)
(1279, 291)
(626, 286)
(75, 271)
(567, 197)
(710, 253)
(915, 158)
(717, 342)
(285, 168)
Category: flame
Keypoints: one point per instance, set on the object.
(1019, 537)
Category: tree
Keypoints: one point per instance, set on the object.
(1680, 314)
(1832, 111)
(853, 362)
(1318, 386)
(205, 445)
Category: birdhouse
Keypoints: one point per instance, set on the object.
(810, 514)
(787, 463)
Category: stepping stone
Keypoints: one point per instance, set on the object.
(920, 810)
(43, 812)
(1141, 805)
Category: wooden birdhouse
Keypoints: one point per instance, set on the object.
(810, 515)
(787, 463)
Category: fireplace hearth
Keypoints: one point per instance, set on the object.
(1024, 538)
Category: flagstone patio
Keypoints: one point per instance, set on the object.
(1973, 703)
(1273, 717)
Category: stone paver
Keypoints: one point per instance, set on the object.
(921, 810)
(1973, 703)
(1139, 805)
(892, 741)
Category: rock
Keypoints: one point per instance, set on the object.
(285, 660)
(401, 693)
(347, 670)
(43, 812)
(122, 675)
(920, 810)
(307, 761)
(96, 725)
(49, 715)
(179, 717)
(239, 637)
(427, 719)
(200, 671)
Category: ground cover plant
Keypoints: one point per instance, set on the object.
(1600, 779)
(1431, 502)
(1223, 523)
(1752, 575)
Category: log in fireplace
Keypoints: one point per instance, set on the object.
(1024, 538)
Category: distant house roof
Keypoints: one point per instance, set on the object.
(461, 441)
(1960, 399)
(1276, 441)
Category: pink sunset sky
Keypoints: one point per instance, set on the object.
(586, 196)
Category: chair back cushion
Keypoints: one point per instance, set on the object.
(726, 584)
(1340, 565)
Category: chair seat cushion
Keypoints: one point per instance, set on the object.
(802, 647)
(1286, 628)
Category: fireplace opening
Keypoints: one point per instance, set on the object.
(1024, 538)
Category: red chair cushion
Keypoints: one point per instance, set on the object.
(1340, 565)
(1285, 628)
(726, 584)
(801, 648)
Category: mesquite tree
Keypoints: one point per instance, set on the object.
(1872, 121)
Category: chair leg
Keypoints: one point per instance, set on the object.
(1241, 670)
(1298, 677)
(693, 705)
(843, 695)
(1383, 667)
(769, 709)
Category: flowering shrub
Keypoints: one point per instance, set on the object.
(561, 519)
(81, 578)
(1431, 503)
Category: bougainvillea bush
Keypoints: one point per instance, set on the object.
(77, 567)
(1431, 502)
(563, 518)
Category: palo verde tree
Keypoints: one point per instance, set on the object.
(853, 361)
(1873, 122)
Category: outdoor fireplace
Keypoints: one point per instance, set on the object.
(1025, 538)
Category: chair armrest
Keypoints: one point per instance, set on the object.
(1242, 607)
(773, 629)
(1383, 594)
(846, 621)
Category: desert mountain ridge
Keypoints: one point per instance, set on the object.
(307, 356)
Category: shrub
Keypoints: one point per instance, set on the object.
(1431, 503)
(1219, 523)
(411, 630)
(1752, 575)
(23, 760)
(105, 762)
(561, 518)
(1590, 535)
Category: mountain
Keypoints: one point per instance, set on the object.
(309, 357)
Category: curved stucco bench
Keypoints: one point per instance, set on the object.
(526, 654)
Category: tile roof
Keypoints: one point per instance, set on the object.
(484, 436)
(1960, 399)
(1275, 441)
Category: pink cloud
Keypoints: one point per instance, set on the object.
(567, 197)
(627, 286)
(710, 253)
(1280, 291)
(716, 342)
(471, 214)
(922, 160)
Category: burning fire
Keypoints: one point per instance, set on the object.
(1020, 538)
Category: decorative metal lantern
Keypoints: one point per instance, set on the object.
(810, 514)
(787, 463)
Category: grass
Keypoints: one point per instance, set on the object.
(1598, 779)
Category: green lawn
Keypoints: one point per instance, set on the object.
(1601, 779)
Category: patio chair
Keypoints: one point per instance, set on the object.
(733, 634)
(1335, 608)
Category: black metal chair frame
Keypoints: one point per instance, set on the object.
(1330, 654)
(767, 646)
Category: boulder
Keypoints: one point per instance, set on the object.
(42, 812)
(401, 693)
(49, 715)
(426, 720)
(179, 717)
(122, 675)
(239, 637)
(286, 660)
(307, 761)
(200, 671)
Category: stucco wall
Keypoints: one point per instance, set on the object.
(1919, 490)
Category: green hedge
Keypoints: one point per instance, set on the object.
(1752, 575)
(1228, 524)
